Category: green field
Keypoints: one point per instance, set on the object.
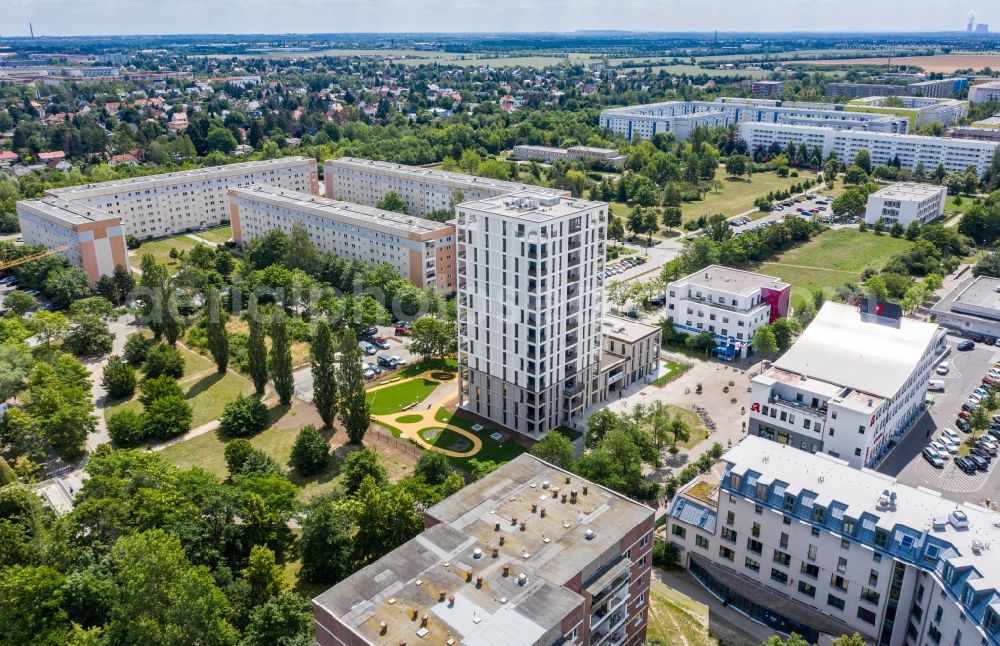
(504, 451)
(737, 196)
(676, 619)
(160, 250)
(218, 235)
(833, 258)
(417, 57)
(393, 399)
(951, 207)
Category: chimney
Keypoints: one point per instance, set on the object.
(567, 479)
(496, 527)
(523, 525)
(564, 498)
(572, 496)
(496, 552)
(534, 507)
(382, 628)
(585, 490)
(543, 512)
(506, 570)
(479, 581)
(501, 539)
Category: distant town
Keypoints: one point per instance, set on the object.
(500, 339)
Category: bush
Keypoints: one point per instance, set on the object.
(432, 467)
(119, 378)
(132, 242)
(157, 388)
(311, 452)
(137, 345)
(237, 453)
(167, 417)
(126, 428)
(360, 464)
(89, 336)
(243, 416)
(259, 463)
(163, 359)
(666, 555)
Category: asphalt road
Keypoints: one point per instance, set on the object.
(906, 462)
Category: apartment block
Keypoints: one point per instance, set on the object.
(906, 202)
(767, 88)
(984, 92)
(682, 117)
(530, 306)
(89, 238)
(920, 111)
(530, 555)
(808, 544)
(631, 352)
(172, 203)
(586, 154)
(859, 90)
(938, 88)
(956, 155)
(851, 385)
(424, 190)
(422, 250)
(730, 303)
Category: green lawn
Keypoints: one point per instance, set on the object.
(449, 364)
(393, 399)
(676, 619)
(950, 205)
(446, 439)
(674, 369)
(207, 395)
(219, 234)
(737, 196)
(160, 250)
(492, 450)
(833, 258)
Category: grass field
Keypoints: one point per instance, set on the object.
(944, 63)
(737, 196)
(416, 57)
(950, 204)
(492, 450)
(676, 619)
(674, 369)
(393, 399)
(219, 234)
(833, 258)
(160, 250)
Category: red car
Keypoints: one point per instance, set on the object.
(987, 380)
(963, 414)
(381, 342)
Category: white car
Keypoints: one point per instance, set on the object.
(943, 368)
(951, 435)
(943, 449)
(400, 361)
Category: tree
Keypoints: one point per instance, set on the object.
(96, 306)
(432, 467)
(355, 412)
(32, 607)
(360, 465)
(167, 417)
(137, 346)
(793, 640)
(19, 302)
(280, 365)
(616, 230)
(285, 620)
(850, 640)
(243, 416)
(877, 287)
(49, 326)
(784, 330)
(263, 575)
(257, 355)
(159, 301)
(159, 597)
(324, 374)
(237, 452)
(118, 378)
(432, 337)
(64, 286)
(391, 201)
(89, 336)
(268, 249)
(15, 363)
(764, 341)
(126, 427)
(157, 388)
(163, 359)
(327, 543)
(310, 452)
(218, 340)
(736, 166)
(863, 160)
(672, 216)
(980, 419)
(556, 449)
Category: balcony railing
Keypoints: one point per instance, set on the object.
(571, 390)
(573, 243)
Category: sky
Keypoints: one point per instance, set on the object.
(100, 17)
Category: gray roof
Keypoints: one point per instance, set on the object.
(727, 279)
(841, 348)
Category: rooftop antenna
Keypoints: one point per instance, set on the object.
(31, 29)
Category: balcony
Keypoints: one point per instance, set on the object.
(533, 354)
(573, 276)
(798, 407)
(572, 390)
(575, 226)
(572, 291)
(572, 324)
(573, 260)
(572, 308)
(573, 243)
(570, 369)
(535, 338)
(572, 338)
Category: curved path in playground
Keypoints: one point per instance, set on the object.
(426, 411)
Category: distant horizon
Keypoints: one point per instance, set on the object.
(109, 18)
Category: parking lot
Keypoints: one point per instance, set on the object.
(779, 213)
(906, 461)
(398, 346)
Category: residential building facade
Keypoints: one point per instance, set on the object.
(530, 305)
(984, 92)
(730, 303)
(172, 203)
(423, 190)
(767, 89)
(808, 544)
(859, 90)
(587, 154)
(529, 555)
(921, 111)
(631, 353)
(86, 236)
(906, 202)
(422, 250)
(851, 385)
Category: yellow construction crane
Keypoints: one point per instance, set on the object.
(7, 264)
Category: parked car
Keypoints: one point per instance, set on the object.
(944, 449)
(367, 348)
(943, 368)
(381, 342)
(368, 373)
(386, 360)
(980, 452)
(966, 345)
(981, 463)
(374, 368)
(658, 301)
(963, 425)
(994, 432)
(370, 331)
(966, 465)
(985, 447)
(950, 434)
(964, 414)
(932, 456)
(400, 361)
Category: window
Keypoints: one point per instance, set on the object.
(751, 564)
(678, 531)
(730, 518)
(782, 557)
(819, 514)
(857, 452)
(815, 531)
(726, 553)
(841, 564)
(783, 542)
(866, 615)
(937, 614)
(755, 530)
(873, 578)
(754, 546)
(876, 558)
(779, 576)
(836, 602)
(845, 544)
(811, 552)
(861, 430)
(849, 526)
(786, 520)
(757, 509)
(789, 502)
(701, 541)
(728, 535)
(870, 596)
(807, 589)
(839, 582)
(810, 570)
